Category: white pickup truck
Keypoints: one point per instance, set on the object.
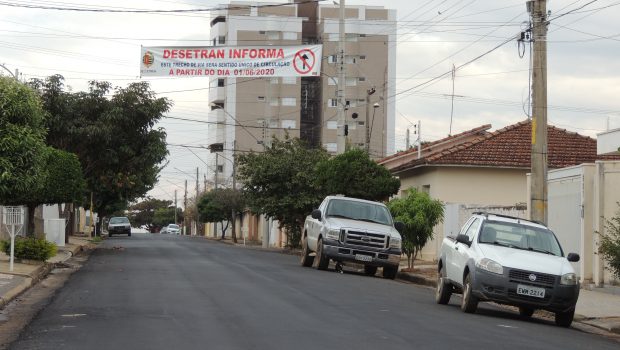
(348, 229)
(510, 261)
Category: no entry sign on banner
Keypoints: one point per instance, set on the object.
(231, 61)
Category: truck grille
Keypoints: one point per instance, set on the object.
(366, 239)
(541, 279)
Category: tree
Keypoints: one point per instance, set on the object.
(143, 213)
(354, 174)
(221, 205)
(420, 213)
(22, 138)
(609, 245)
(279, 183)
(114, 138)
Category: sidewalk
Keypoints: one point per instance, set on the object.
(25, 275)
(599, 307)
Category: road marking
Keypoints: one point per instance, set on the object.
(506, 326)
(73, 315)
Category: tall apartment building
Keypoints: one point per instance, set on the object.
(250, 111)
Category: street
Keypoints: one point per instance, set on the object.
(177, 292)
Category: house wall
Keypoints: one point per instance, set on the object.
(483, 186)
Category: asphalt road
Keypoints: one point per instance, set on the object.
(174, 292)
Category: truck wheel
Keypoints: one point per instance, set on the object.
(444, 288)
(321, 261)
(390, 272)
(370, 270)
(564, 319)
(470, 301)
(306, 259)
(526, 311)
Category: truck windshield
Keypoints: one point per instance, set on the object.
(355, 210)
(119, 220)
(520, 236)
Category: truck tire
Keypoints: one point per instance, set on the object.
(306, 259)
(564, 319)
(470, 301)
(389, 272)
(321, 261)
(444, 288)
(370, 270)
(526, 311)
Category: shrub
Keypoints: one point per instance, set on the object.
(610, 244)
(30, 248)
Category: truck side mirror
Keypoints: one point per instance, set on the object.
(463, 239)
(572, 257)
(316, 214)
(399, 226)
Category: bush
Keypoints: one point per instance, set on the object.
(610, 244)
(30, 248)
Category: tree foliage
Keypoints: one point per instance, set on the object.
(280, 183)
(114, 138)
(64, 182)
(354, 174)
(420, 213)
(609, 245)
(143, 213)
(221, 205)
(22, 126)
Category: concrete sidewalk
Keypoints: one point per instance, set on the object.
(598, 307)
(25, 275)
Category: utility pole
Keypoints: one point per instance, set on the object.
(418, 131)
(196, 201)
(407, 142)
(215, 186)
(175, 207)
(185, 209)
(341, 138)
(538, 189)
(368, 93)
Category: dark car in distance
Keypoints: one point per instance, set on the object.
(119, 225)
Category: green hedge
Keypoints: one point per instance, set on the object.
(30, 248)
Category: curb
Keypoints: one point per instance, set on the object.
(417, 279)
(15, 291)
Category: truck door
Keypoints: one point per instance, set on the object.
(462, 252)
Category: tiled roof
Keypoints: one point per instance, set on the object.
(510, 147)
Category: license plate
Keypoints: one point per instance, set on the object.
(362, 257)
(530, 291)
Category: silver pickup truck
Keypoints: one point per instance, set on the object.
(348, 229)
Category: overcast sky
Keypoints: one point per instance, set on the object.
(583, 64)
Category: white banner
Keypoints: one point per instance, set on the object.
(231, 61)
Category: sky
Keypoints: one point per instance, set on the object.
(583, 76)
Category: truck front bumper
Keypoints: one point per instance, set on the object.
(339, 252)
(502, 289)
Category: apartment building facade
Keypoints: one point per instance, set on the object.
(246, 113)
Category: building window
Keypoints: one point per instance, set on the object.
(332, 59)
(220, 82)
(362, 78)
(273, 35)
(351, 81)
(361, 123)
(332, 102)
(221, 39)
(274, 102)
(289, 124)
(362, 57)
(362, 35)
(261, 98)
(289, 36)
(426, 189)
(220, 168)
(289, 80)
(332, 124)
(217, 105)
(350, 59)
(331, 81)
(331, 147)
(289, 101)
(261, 32)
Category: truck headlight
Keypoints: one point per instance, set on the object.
(333, 234)
(490, 265)
(395, 242)
(568, 279)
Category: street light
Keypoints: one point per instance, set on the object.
(374, 109)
